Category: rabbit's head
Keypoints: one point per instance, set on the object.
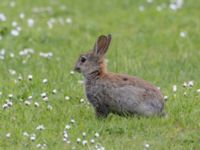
(93, 61)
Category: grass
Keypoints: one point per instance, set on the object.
(145, 44)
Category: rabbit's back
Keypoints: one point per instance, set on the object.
(123, 94)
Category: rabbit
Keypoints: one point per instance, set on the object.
(116, 93)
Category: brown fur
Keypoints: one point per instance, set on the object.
(116, 93)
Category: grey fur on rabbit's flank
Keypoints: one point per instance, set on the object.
(116, 93)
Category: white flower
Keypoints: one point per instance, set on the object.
(27, 103)
(146, 145)
(39, 145)
(92, 141)
(84, 134)
(141, 8)
(12, 55)
(71, 72)
(44, 81)
(9, 103)
(12, 4)
(43, 95)
(190, 83)
(198, 91)
(183, 34)
(174, 88)
(10, 96)
(149, 1)
(165, 98)
(82, 100)
(54, 91)
(67, 126)
(12, 72)
(14, 32)
(96, 134)
(25, 134)
(30, 77)
(67, 97)
(65, 135)
(72, 121)
(8, 135)
(30, 97)
(40, 127)
(49, 107)
(21, 15)
(30, 22)
(20, 78)
(45, 99)
(33, 137)
(2, 17)
(5, 106)
(78, 140)
(36, 104)
(69, 20)
(84, 142)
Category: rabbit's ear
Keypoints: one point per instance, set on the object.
(101, 45)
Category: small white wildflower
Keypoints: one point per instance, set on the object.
(67, 126)
(44, 81)
(36, 104)
(65, 135)
(68, 142)
(65, 139)
(72, 121)
(185, 93)
(183, 34)
(33, 137)
(21, 15)
(14, 23)
(78, 140)
(146, 145)
(54, 91)
(84, 134)
(80, 81)
(45, 99)
(174, 88)
(84, 142)
(25, 134)
(49, 107)
(30, 77)
(14, 32)
(82, 100)
(30, 22)
(149, 1)
(71, 72)
(30, 97)
(12, 4)
(12, 55)
(165, 98)
(9, 103)
(185, 84)
(67, 97)
(43, 95)
(40, 127)
(12, 72)
(198, 91)
(2, 17)
(69, 20)
(10, 96)
(5, 106)
(96, 135)
(8, 135)
(39, 145)
(190, 83)
(27, 103)
(141, 8)
(92, 141)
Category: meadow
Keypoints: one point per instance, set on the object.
(42, 103)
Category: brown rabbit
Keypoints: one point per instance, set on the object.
(116, 93)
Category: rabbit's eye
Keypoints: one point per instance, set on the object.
(83, 59)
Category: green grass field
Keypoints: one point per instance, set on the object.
(43, 38)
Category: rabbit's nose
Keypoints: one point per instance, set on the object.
(78, 69)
